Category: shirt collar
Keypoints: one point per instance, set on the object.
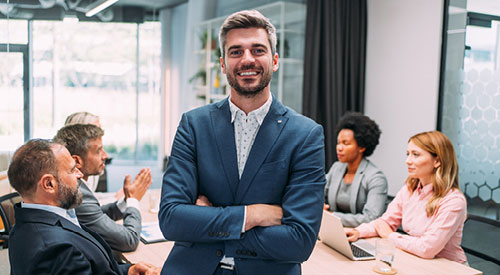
(69, 214)
(259, 113)
(425, 190)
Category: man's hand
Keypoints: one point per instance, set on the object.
(203, 201)
(257, 214)
(142, 268)
(382, 228)
(326, 207)
(138, 187)
(263, 215)
(352, 234)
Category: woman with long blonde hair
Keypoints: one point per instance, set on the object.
(430, 207)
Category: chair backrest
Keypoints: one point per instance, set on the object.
(481, 238)
(7, 211)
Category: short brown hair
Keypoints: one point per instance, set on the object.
(244, 20)
(76, 137)
(29, 163)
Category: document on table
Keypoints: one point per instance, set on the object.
(151, 233)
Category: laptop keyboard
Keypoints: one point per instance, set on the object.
(358, 252)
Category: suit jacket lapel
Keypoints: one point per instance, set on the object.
(46, 217)
(267, 135)
(103, 245)
(224, 137)
(334, 187)
(85, 232)
(356, 183)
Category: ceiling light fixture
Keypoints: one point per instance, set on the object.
(98, 6)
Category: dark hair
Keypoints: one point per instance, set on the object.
(366, 131)
(244, 20)
(76, 137)
(29, 163)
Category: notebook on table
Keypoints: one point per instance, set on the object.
(332, 234)
(151, 233)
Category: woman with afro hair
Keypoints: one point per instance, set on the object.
(356, 190)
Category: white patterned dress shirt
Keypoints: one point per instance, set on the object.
(246, 128)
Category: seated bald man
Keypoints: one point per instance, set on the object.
(47, 238)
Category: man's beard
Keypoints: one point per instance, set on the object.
(68, 197)
(249, 91)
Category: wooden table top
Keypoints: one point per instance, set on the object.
(323, 260)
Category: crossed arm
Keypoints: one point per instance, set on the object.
(279, 232)
(256, 214)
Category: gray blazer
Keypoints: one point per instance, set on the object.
(101, 219)
(368, 192)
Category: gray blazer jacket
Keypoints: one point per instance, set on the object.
(368, 192)
(101, 219)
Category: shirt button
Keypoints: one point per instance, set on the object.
(238, 251)
(226, 234)
(218, 253)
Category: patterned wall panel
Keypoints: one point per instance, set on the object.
(471, 119)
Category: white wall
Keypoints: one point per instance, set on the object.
(402, 77)
(177, 52)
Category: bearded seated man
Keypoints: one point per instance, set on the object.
(47, 237)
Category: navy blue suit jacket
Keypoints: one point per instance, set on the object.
(42, 242)
(285, 167)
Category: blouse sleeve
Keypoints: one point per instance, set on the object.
(392, 216)
(450, 215)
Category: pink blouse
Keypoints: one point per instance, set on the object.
(437, 236)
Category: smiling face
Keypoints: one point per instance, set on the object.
(248, 63)
(421, 164)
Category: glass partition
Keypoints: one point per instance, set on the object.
(95, 67)
(471, 104)
(13, 31)
(12, 100)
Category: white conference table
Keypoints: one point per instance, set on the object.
(323, 259)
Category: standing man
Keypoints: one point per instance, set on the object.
(243, 189)
(47, 237)
(84, 142)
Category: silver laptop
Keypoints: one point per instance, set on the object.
(332, 234)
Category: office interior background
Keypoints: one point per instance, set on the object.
(139, 64)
